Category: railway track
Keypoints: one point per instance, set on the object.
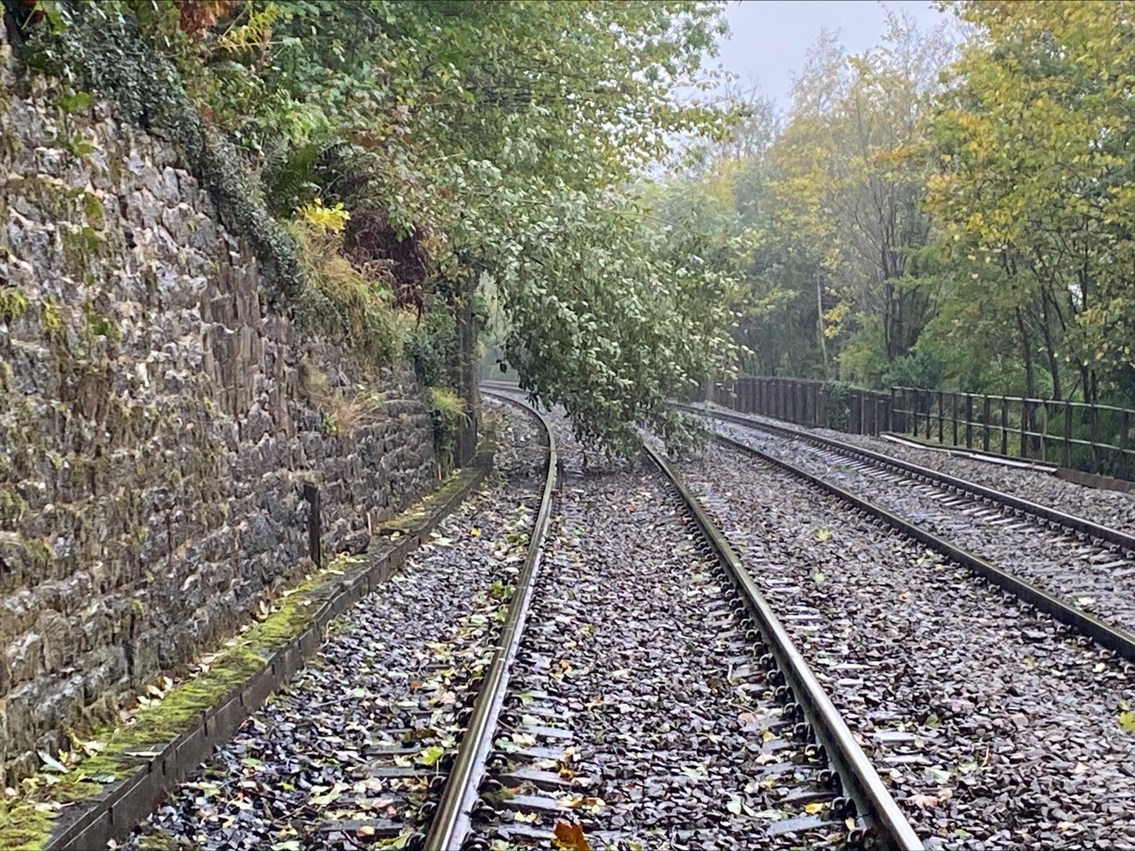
(1078, 571)
(806, 780)
(356, 750)
(636, 692)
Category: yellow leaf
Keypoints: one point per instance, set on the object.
(814, 807)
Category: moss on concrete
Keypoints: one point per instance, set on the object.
(413, 518)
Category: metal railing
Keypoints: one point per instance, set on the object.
(816, 404)
(1092, 438)
(1089, 437)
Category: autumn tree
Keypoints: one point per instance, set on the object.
(1035, 185)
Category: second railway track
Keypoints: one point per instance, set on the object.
(1078, 571)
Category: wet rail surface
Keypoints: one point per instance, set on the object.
(651, 706)
(995, 726)
(1078, 571)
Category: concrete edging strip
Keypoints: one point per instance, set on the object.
(114, 811)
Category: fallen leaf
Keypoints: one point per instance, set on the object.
(51, 763)
(734, 806)
(431, 755)
(569, 837)
(772, 815)
(1126, 721)
(938, 775)
(923, 801)
(814, 807)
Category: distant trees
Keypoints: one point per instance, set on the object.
(941, 214)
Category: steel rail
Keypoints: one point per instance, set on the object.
(1080, 525)
(450, 824)
(862, 782)
(1113, 638)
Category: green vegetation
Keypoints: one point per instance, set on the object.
(940, 215)
(165, 709)
(391, 156)
(447, 412)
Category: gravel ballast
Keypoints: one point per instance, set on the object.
(1095, 579)
(345, 753)
(996, 727)
(1106, 507)
(668, 729)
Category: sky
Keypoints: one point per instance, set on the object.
(770, 38)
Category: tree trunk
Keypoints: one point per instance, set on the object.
(465, 376)
(1050, 347)
(1026, 355)
(820, 325)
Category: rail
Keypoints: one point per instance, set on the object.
(450, 824)
(1118, 640)
(866, 789)
(1093, 438)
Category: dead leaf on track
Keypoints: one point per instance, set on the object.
(569, 837)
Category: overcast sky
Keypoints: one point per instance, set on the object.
(770, 37)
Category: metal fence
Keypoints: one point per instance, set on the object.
(817, 404)
(1080, 436)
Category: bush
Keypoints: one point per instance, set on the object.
(447, 412)
(342, 301)
(837, 404)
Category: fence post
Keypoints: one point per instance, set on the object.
(941, 419)
(1004, 424)
(1095, 438)
(953, 418)
(1125, 435)
(1044, 432)
(1024, 449)
(969, 421)
(1067, 434)
(985, 422)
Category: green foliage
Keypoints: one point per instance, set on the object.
(490, 145)
(447, 411)
(433, 347)
(98, 47)
(837, 404)
(13, 304)
(1035, 184)
(346, 304)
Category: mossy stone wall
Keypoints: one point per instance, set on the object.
(158, 422)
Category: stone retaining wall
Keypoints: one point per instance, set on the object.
(158, 422)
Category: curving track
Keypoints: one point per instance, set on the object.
(603, 728)
(995, 727)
